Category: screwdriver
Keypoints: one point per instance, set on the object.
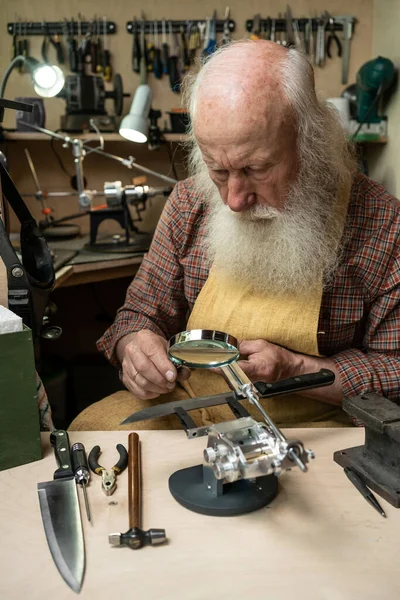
(136, 51)
(107, 70)
(81, 470)
(157, 62)
(164, 49)
(174, 78)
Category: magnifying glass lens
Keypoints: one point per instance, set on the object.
(203, 353)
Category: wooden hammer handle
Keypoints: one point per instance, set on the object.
(134, 480)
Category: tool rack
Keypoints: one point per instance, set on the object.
(73, 27)
(176, 25)
(281, 23)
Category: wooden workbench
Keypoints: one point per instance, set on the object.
(318, 540)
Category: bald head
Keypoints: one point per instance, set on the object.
(239, 90)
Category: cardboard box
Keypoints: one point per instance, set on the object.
(19, 414)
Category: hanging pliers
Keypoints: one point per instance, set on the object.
(108, 478)
(332, 37)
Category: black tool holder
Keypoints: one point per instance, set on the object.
(176, 25)
(197, 489)
(378, 460)
(29, 282)
(72, 27)
(281, 24)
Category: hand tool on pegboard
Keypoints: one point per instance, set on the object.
(157, 62)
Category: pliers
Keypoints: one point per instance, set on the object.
(333, 37)
(108, 478)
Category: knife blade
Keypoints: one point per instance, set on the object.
(59, 506)
(299, 383)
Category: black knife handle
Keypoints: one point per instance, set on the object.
(60, 441)
(295, 384)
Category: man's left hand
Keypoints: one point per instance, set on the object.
(263, 361)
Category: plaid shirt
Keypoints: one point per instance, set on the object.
(359, 323)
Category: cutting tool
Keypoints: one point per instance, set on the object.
(61, 515)
(108, 477)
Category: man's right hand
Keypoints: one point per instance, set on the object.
(147, 371)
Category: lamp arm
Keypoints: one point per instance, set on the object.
(18, 60)
(130, 162)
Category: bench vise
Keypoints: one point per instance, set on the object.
(378, 460)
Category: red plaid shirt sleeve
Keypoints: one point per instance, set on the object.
(170, 276)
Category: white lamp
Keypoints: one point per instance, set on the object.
(134, 126)
(48, 80)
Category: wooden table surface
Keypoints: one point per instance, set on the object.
(319, 539)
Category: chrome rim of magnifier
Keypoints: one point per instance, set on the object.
(203, 349)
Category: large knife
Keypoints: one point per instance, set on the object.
(61, 515)
(266, 390)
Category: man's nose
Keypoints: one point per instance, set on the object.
(240, 195)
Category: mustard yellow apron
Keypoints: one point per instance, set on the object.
(289, 320)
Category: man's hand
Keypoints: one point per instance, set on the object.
(147, 371)
(263, 361)
(268, 362)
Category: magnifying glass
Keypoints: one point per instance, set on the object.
(203, 349)
(210, 349)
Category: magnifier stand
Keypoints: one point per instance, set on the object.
(197, 489)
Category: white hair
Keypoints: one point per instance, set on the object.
(309, 230)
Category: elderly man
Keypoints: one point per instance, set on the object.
(274, 239)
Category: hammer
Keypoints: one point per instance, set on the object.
(135, 537)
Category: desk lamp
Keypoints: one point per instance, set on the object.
(48, 80)
(134, 126)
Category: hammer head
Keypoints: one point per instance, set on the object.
(135, 538)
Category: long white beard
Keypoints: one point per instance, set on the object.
(270, 250)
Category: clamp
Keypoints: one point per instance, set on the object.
(108, 478)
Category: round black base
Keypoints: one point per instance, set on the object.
(138, 244)
(61, 231)
(240, 497)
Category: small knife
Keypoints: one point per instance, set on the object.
(61, 515)
(266, 390)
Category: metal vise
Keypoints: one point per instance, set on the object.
(244, 449)
(378, 460)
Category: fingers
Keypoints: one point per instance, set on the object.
(183, 374)
(146, 370)
(247, 347)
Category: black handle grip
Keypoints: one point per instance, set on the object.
(136, 54)
(123, 459)
(165, 58)
(93, 458)
(174, 78)
(60, 441)
(72, 55)
(157, 64)
(79, 463)
(299, 383)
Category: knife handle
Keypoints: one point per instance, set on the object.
(295, 384)
(60, 441)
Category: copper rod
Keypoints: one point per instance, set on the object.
(134, 480)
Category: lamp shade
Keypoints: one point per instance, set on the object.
(48, 80)
(134, 126)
